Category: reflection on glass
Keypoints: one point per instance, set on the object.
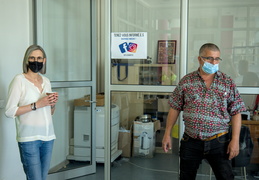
(72, 122)
(234, 29)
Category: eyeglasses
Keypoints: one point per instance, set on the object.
(32, 59)
(211, 59)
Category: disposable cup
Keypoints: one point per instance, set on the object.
(49, 93)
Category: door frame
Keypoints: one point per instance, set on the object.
(38, 39)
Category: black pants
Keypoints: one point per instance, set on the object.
(193, 151)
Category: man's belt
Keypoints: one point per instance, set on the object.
(215, 136)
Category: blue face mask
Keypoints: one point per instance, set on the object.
(210, 68)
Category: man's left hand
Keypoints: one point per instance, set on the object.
(233, 149)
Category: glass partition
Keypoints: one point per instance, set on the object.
(250, 118)
(66, 28)
(234, 27)
(251, 102)
(72, 122)
(161, 22)
(142, 125)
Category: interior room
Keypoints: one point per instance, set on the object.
(113, 102)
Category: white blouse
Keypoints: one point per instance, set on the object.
(33, 125)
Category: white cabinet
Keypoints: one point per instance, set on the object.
(82, 133)
(81, 143)
(115, 121)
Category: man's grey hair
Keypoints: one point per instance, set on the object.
(209, 46)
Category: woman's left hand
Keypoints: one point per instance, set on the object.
(53, 98)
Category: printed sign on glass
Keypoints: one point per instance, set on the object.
(129, 45)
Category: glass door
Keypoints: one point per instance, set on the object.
(66, 30)
(141, 86)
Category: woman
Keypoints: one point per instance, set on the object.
(32, 109)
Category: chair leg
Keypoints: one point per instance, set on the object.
(210, 173)
(244, 172)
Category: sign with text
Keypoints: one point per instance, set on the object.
(129, 45)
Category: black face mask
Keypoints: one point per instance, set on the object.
(35, 66)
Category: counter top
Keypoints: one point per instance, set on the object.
(248, 122)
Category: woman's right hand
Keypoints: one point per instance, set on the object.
(49, 100)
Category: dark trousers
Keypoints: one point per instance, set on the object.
(193, 151)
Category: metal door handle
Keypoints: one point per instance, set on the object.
(90, 101)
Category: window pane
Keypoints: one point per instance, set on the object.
(251, 104)
(235, 29)
(72, 123)
(161, 21)
(251, 119)
(67, 37)
(233, 26)
(139, 114)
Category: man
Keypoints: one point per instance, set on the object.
(209, 100)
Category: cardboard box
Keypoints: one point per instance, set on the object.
(162, 105)
(144, 138)
(84, 101)
(125, 142)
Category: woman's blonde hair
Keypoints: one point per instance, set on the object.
(28, 53)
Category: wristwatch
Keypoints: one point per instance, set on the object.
(33, 106)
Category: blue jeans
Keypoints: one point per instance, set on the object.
(193, 151)
(36, 157)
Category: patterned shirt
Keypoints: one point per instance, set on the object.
(206, 111)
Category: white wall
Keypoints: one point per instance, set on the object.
(15, 37)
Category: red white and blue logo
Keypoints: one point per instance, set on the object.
(128, 47)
